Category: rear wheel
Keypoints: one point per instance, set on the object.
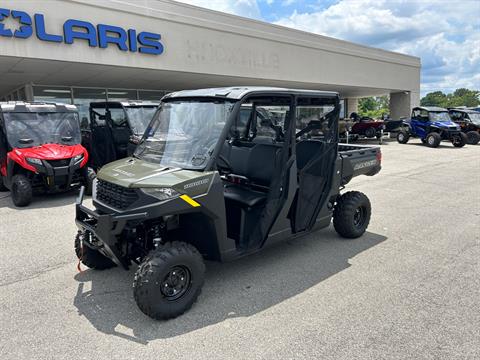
(433, 140)
(169, 280)
(88, 256)
(352, 214)
(21, 190)
(403, 137)
(473, 138)
(370, 132)
(460, 140)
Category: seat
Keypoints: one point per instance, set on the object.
(244, 197)
(258, 165)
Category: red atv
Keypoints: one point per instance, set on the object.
(40, 150)
(368, 127)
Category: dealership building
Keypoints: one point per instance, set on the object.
(79, 51)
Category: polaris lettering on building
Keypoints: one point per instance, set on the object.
(97, 36)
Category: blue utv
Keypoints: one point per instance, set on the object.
(432, 125)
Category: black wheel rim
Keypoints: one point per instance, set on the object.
(176, 283)
(359, 216)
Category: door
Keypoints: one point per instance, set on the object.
(316, 152)
(419, 123)
(101, 147)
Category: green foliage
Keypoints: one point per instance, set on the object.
(374, 107)
(460, 97)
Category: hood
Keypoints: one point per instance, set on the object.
(51, 151)
(135, 173)
(444, 124)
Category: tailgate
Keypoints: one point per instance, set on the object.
(359, 160)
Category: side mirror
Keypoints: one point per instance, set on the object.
(25, 141)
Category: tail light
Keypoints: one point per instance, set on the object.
(379, 157)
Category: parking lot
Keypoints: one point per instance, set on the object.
(409, 288)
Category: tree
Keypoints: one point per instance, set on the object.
(374, 107)
(460, 97)
(436, 98)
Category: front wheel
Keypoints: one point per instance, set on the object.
(352, 214)
(460, 140)
(473, 138)
(21, 190)
(168, 282)
(403, 137)
(2, 184)
(433, 140)
(88, 256)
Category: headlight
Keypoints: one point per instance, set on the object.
(161, 193)
(78, 158)
(34, 161)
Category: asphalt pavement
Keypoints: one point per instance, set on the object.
(408, 289)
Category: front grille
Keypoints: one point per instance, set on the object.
(116, 196)
(57, 163)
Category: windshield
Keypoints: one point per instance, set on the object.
(139, 117)
(475, 117)
(439, 116)
(184, 133)
(34, 129)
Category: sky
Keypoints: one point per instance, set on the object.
(445, 34)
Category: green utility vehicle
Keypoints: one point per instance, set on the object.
(220, 174)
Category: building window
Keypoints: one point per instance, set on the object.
(121, 94)
(82, 98)
(21, 94)
(342, 109)
(52, 94)
(151, 95)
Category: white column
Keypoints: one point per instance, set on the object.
(401, 103)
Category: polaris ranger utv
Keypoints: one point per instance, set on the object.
(115, 129)
(40, 150)
(212, 181)
(431, 125)
(469, 121)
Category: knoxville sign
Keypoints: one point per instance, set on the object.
(74, 30)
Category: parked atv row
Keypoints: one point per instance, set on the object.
(432, 125)
(42, 148)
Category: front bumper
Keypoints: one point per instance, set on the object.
(105, 227)
(450, 134)
(57, 178)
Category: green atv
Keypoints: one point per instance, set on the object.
(220, 174)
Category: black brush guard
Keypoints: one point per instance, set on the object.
(105, 227)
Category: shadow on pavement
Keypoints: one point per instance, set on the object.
(41, 201)
(237, 289)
